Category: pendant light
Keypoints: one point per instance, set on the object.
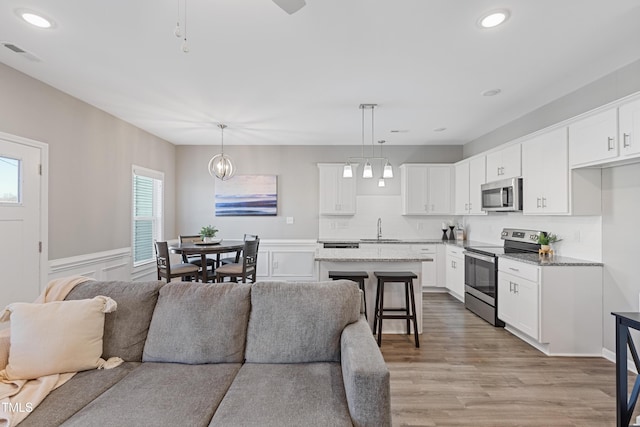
(367, 172)
(220, 165)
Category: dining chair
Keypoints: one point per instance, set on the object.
(246, 268)
(168, 270)
(196, 260)
(235, 259)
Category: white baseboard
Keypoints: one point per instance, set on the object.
(611, 357)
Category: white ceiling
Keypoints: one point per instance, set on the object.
(275, 78)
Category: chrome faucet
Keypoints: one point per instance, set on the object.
(379, 228)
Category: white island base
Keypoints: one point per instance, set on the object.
(394, 292)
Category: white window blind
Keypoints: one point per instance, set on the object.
(147, 213)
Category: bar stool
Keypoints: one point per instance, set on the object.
(355, 276)
(409, 309)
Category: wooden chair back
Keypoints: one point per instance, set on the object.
(163, 263)
(196, 238)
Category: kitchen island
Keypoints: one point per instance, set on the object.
(374, 256)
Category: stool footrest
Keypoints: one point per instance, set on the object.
(394, 316)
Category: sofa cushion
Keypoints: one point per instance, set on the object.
(155, 394)
(199, 323)
(300, 322)
(56, 337)
(308, 394)
(125, 330)
(75, 394)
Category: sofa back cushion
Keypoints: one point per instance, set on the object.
(125, 330)
(300, 322)
(197, 323)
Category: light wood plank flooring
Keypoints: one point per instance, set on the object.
(468, 373)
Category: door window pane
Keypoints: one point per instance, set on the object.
(9, 180)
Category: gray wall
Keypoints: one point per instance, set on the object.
(616, 85)
(298, 188)
(90, 158)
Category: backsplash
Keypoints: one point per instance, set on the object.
(363, 224)
(581, 235)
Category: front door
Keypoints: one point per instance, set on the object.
(20, 221)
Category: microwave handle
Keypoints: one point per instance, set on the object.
(502, 191)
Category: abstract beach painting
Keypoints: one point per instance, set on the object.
(247, 195)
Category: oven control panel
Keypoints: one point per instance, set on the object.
(529, 236)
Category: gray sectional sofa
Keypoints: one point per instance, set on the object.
(267, 354)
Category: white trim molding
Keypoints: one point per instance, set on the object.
(108, 265)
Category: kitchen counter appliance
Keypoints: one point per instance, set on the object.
(481, 270)
(502, 196)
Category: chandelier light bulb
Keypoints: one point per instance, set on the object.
(381, 182)
(367, 172)
(387, 171)
(347, 171)
(185, 46)
(178, 31)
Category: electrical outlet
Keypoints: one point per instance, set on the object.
(289, 220)
(420, 226)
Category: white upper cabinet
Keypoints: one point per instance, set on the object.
(630, 129)
(337, 194)
(594, 139)
(469, 176)
(545, 173)
(426, 189)
(503, 164)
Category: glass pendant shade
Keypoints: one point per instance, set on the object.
(347, 171)
(381, 182)
(367, 172)
(388, 170)
(221, 166)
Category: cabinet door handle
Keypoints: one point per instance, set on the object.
(544, 202)
(466, 207)
(515, 288)
(469, 207)
(514, 269)
(610, 145)
(433, 208)
(426, 208)
(625, 140)
(510, 287)
(538, 203)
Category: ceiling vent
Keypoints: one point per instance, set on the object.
(20, 51)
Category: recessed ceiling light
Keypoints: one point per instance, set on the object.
(491, 92)
(439, 129)
(35, 19)
(494, 18)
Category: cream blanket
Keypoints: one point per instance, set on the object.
(19, 397)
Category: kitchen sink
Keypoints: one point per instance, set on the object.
(379, 240)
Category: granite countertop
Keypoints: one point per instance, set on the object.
(555, 260)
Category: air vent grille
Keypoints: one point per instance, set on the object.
(20, 51)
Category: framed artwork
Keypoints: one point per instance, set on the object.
(247, 195)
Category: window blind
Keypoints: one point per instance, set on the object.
(147, 214)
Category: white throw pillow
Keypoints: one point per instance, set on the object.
(56, 337)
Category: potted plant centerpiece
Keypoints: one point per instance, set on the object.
(545, 240)
(208, 234)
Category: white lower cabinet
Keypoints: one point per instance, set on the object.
(555, 308)
(518, 303)
(454, 271)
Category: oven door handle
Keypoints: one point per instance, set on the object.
(485, 258)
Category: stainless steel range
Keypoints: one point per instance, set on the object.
(481, 270)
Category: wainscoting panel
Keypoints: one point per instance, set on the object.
(108, 265)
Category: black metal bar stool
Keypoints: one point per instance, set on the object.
(355, 276)
(409, 308)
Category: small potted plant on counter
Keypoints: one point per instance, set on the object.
(208, 234)
(545, 240)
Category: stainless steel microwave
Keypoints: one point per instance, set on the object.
(502, 196)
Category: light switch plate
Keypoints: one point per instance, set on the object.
(289, 220)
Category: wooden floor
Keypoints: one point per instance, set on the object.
(468, 373)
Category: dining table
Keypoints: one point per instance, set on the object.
(204, 248)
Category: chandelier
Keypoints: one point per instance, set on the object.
(220, 165)
(367, 172)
